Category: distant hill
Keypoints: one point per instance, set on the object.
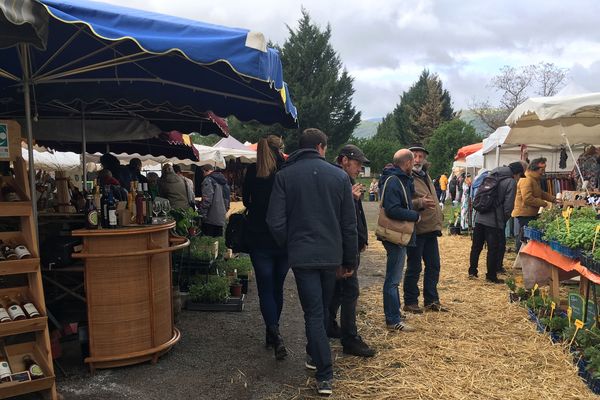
(367, 128)
(470, 117)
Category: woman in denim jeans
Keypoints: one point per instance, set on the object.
(269, 260)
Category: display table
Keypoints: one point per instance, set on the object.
(559, 264)
(129, 293)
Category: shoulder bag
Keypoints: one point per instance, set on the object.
(392, 230)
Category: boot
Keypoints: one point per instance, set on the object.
(278, 346)
(269, 339)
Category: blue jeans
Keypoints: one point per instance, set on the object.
(396, 255)
(315, 289)
(427, 250)
(271, 268)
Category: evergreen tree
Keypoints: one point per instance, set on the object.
(387, 129)
(422, 109)
(321, 88)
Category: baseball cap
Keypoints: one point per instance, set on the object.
(354, 153)
(418, 147)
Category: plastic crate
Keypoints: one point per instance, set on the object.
(564, 250)
(533, 234)
(587, 260)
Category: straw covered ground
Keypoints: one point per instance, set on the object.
(484, 348)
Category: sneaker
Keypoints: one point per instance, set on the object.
(310, 364)
(437, 307)
(495, 280)
(333, 330)
(400, 326)
(472, 276)
(413, 308)
(357, 347)
(324, 388)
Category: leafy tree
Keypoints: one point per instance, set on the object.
(378, 150)
(209, 140)
(387, 128)
(422, 109)
(445, 142)
(321, 88)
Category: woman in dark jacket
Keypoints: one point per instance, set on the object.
(269, 260)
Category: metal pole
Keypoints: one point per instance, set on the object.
(27, 99)
(497, 156)
(564, 135)
(83, 147)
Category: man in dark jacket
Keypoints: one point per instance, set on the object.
(311, 211)
(351, 159)
(426, 250)
(396, 194)
(489, 226)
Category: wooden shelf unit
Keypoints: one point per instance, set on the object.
(39, 348)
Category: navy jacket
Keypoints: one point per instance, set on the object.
(311, 211)
(395, 204)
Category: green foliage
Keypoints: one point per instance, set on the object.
(510, 282)
(215, 290)
(582, 228)
(555, 324)
(243, 265)
(545, 218)
(209, 140)
(592, 355)
(387, 129)
(202, 248)
(422, 109)
(535, 303)
(445, 142)
(252, 131)
(184, 219)
(378, 150)
(320, 86)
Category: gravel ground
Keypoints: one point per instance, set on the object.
(220, 355)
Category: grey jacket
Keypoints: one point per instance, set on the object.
(506, 200)
(215, 199)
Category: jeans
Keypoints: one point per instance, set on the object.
(396, 255)
(345, 296)
(315, 288)
(271, 268)
(521, 223)
(428, 251)
(493, 237)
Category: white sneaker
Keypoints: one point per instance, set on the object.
(400, 327)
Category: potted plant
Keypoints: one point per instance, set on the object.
(235, 288)
(215, 289)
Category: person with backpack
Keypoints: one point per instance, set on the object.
(215, 201)
(493, 205)
(269, 260)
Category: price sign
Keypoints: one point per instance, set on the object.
(567, 216)
(578, 326)
(552, 308)
(592, 311)
(569, 314)
(535, 287)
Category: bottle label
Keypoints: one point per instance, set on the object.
(92, 218)
(36, 371)
(144, 209)
(31, 310)
(4, 317)
(15, 312)
(112, 217)
(5, 371)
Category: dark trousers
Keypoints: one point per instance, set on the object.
(345, 296)
(315, 289)
(522, 222)
(502, 250)
(493, 237)
(426, 249)
(443, 196)
(212, 230)
(271, 268)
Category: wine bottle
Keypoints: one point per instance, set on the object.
(14, 308)
(97, 195)
(27, 306)
(131, 200)
(35, 371)
(91, 213)
(140, 206)
(112, 211)
(104, 206)
(5, 371)
(4, 317)
(148, 199)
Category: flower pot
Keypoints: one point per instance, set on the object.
(236, 290)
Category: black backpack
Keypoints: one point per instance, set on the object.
(235, 234)
(486, 199)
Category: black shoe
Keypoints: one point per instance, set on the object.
(437, 307)
(472, 276)
(357, 347)
(502, 271)
(269, 339)
(324, 388)
(494, 280)
(277, 342)
(333, 330)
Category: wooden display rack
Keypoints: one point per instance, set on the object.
(39, 348)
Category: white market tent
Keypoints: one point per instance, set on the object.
(475, 160)
(231, 149)
(53, 161)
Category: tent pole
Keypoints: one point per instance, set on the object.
(564, 135)
(497, 156)
(83, 148)
(27, 100)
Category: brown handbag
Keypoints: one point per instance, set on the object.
(393, 230)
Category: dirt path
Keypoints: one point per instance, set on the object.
(221, 355)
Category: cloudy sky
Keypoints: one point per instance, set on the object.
(386, 44)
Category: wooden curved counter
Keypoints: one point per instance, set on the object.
(129, 293)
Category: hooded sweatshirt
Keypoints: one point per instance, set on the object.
(215, 199)
(311, 211)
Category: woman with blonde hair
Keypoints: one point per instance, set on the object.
(268, 259)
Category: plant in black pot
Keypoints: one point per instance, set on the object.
(235, 288)
(210, 289)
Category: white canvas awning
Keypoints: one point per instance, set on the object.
(475, 160)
